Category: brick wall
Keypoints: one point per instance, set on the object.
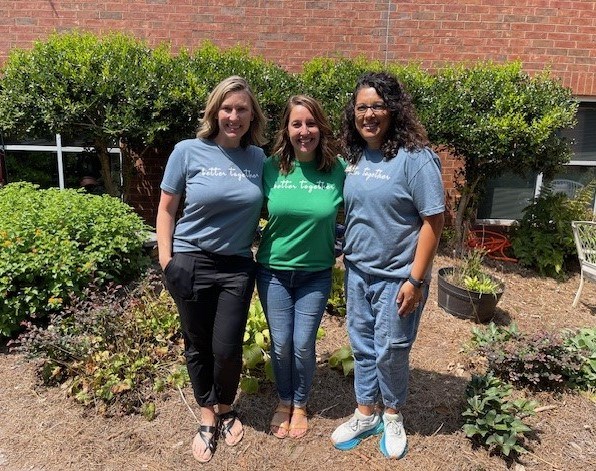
(558, 34)
(144, 181)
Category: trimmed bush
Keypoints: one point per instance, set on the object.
(54, 242)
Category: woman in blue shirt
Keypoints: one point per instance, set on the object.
(394, 204)
(206, 256)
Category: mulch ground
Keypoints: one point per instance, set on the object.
(41, 429)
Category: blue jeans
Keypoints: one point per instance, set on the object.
(294, 302)
(381, 340)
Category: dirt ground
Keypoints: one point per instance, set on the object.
(42, 430)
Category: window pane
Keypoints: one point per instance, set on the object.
(506, 197)
(583, 134)
(35, 167)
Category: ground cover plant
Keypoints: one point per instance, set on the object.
(492, 418)
(113, 348)
(543, 360)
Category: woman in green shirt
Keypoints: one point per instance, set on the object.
(303, 184)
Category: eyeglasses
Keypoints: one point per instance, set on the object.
(376, 108)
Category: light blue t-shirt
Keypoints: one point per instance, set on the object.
(384, 204)
(223, 196)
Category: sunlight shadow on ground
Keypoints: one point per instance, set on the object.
(434, 404)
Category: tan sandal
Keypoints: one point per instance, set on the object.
(299, 423)
(280, 422)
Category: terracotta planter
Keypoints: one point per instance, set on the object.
(464, 303)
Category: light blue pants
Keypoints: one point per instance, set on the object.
(294, 302)
(381, 340)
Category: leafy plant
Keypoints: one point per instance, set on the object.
(583, 343)
(543, 238)
(541, 361)
(343, 359)
(112, 348)
(255, 351)
(492, 418)
(337, 299)
(470, 274)
(56, 243)
(485, 337)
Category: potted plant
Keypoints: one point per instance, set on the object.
(467, 291)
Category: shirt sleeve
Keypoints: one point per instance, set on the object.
(174, 178)
(428, 193)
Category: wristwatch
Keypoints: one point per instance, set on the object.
(414, 282)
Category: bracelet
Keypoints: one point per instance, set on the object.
(414, 282)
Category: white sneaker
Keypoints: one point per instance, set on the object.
(349, 434)
(394, 443)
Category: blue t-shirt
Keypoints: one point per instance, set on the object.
(224, 196)
(384, 204)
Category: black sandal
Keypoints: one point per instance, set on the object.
(209, 443)
(226, 422)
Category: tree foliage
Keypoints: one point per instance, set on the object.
(497, 119)
(115, 89)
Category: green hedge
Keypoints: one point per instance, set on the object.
(54, 242)
(495, 118)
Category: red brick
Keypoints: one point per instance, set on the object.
(557, 33)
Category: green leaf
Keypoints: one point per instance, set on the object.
(252, 355)
(249, 385)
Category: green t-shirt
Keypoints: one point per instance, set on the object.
(302, 206)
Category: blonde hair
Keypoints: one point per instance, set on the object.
(209, 127)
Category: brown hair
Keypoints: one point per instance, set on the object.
(326, 151)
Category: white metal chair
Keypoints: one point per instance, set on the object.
(584, 234)
(569, 187)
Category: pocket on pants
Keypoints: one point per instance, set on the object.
(179, 276)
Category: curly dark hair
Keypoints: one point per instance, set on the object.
(405, 130)
(327, 150)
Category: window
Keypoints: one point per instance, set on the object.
(507, 196)
(49, 164)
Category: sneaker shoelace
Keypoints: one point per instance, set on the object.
(353, 424)
(393, 426)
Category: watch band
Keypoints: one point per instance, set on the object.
(416, 283)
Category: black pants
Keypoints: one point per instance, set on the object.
(213, 294)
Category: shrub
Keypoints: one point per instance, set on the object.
(543, 238)
(53, 242)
